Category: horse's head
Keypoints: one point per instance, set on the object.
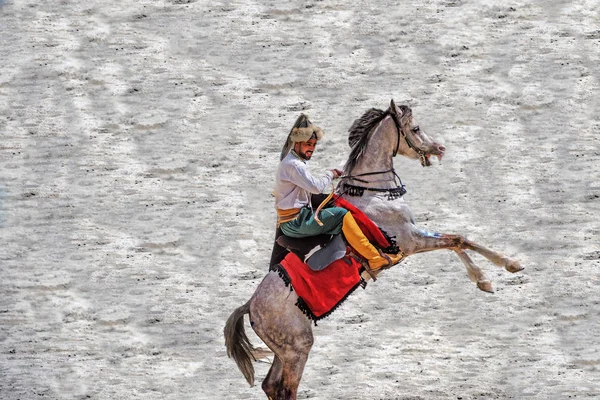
(412, 141)
(377, 136)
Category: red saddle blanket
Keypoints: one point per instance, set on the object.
(320, 292)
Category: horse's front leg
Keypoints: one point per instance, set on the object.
(475, 273)
(428, 241)
(423, 241)
(510, 264)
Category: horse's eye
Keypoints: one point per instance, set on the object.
(416, 129)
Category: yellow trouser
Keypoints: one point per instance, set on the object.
(356, 238)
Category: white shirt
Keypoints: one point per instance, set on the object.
(294, 184)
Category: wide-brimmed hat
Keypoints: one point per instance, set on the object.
(302, 131)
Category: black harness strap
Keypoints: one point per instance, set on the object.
(354, 177)
(354, 190)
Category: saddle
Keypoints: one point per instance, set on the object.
(302, 246)
(316, 251)
(325, 248)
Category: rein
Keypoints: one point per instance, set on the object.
(358, 191)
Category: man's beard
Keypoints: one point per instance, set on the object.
(305, 156)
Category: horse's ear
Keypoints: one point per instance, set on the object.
(394, 110)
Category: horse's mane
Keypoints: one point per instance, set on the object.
(358, 136)
(359, 132)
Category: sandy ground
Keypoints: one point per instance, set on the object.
(138, 146)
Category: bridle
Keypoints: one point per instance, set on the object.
(421, 153)
(393, 193)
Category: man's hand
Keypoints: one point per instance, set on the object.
(337, 173)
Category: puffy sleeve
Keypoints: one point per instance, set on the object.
(300, 176)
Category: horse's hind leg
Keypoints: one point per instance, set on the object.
(273, 380)
(281, 325)
(283, 379)
(293, 368)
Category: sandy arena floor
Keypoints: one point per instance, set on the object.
(138, 146)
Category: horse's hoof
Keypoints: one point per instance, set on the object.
(486, 286)
(514, 266)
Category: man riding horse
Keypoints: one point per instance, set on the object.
(276, 314)
(293, 188)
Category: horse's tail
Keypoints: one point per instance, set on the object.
(238, 346)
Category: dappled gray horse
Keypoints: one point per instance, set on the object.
(370, 183)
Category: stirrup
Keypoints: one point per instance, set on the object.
(367, 270)
(385, 257)
(389, 260)
(390, 263)
(370, 273)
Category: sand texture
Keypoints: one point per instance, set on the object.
(138, 147)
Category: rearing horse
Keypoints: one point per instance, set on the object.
(370, 183)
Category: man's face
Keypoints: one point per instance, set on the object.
(306, 149)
